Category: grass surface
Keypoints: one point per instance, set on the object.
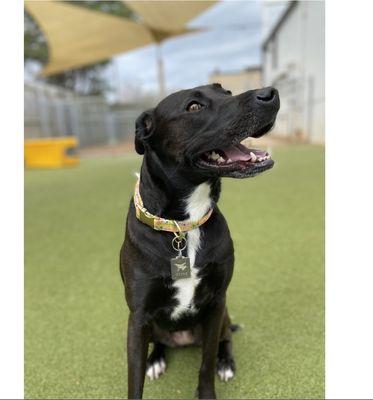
(75, 312)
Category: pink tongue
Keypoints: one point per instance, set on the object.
(237, 153)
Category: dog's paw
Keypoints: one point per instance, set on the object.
(156, 368)
(225, 369)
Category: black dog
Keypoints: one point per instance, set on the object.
(189, 141)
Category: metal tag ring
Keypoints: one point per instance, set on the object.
(179, 243)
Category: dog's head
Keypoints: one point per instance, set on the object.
(199, 131)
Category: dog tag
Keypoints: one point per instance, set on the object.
(180, 268)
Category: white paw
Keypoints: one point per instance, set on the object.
(156, 369)
(225, 374)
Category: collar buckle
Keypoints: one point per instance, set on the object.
(146, 219)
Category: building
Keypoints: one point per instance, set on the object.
(293, 62)
(240, 81)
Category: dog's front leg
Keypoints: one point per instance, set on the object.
(137, 349)
(211, 327)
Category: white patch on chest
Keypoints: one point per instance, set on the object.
(197, 205)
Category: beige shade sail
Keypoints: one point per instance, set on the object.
(78, 37)
(168, 15)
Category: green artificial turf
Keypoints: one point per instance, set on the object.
(75, 314)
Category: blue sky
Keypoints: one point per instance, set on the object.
(231, 42)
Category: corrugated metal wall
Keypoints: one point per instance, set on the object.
(293, 62)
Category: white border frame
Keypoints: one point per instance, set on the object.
(11, 169)
(349, 200)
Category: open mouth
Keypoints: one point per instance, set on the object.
(236, 158)
(238, 154)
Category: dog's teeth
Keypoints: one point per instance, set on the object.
(220, 159)
(214, 155)
(229, 160)
(260, 159)
(253, 156)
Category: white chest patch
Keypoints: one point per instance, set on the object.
(197, 205)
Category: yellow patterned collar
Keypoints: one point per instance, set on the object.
(162, 224)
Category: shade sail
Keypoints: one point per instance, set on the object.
(78, 36)
(168, 15)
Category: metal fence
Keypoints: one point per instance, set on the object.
(51, 111)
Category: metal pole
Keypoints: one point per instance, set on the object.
(117, 81)
(161, 81)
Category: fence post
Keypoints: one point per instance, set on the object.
(43, 114)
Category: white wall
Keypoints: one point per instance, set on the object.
(299, 74)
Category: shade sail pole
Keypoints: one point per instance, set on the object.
(160, 70)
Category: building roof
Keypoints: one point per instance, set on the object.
(235, 72)
(280, 22)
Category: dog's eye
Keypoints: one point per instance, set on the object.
(194, 106)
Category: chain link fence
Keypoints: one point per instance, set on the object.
(50, 111)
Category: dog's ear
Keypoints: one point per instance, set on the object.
(144, 129)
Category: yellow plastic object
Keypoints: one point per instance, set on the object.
(51, 152)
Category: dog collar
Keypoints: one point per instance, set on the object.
(163, 224)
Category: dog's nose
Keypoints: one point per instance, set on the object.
(266, 95)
